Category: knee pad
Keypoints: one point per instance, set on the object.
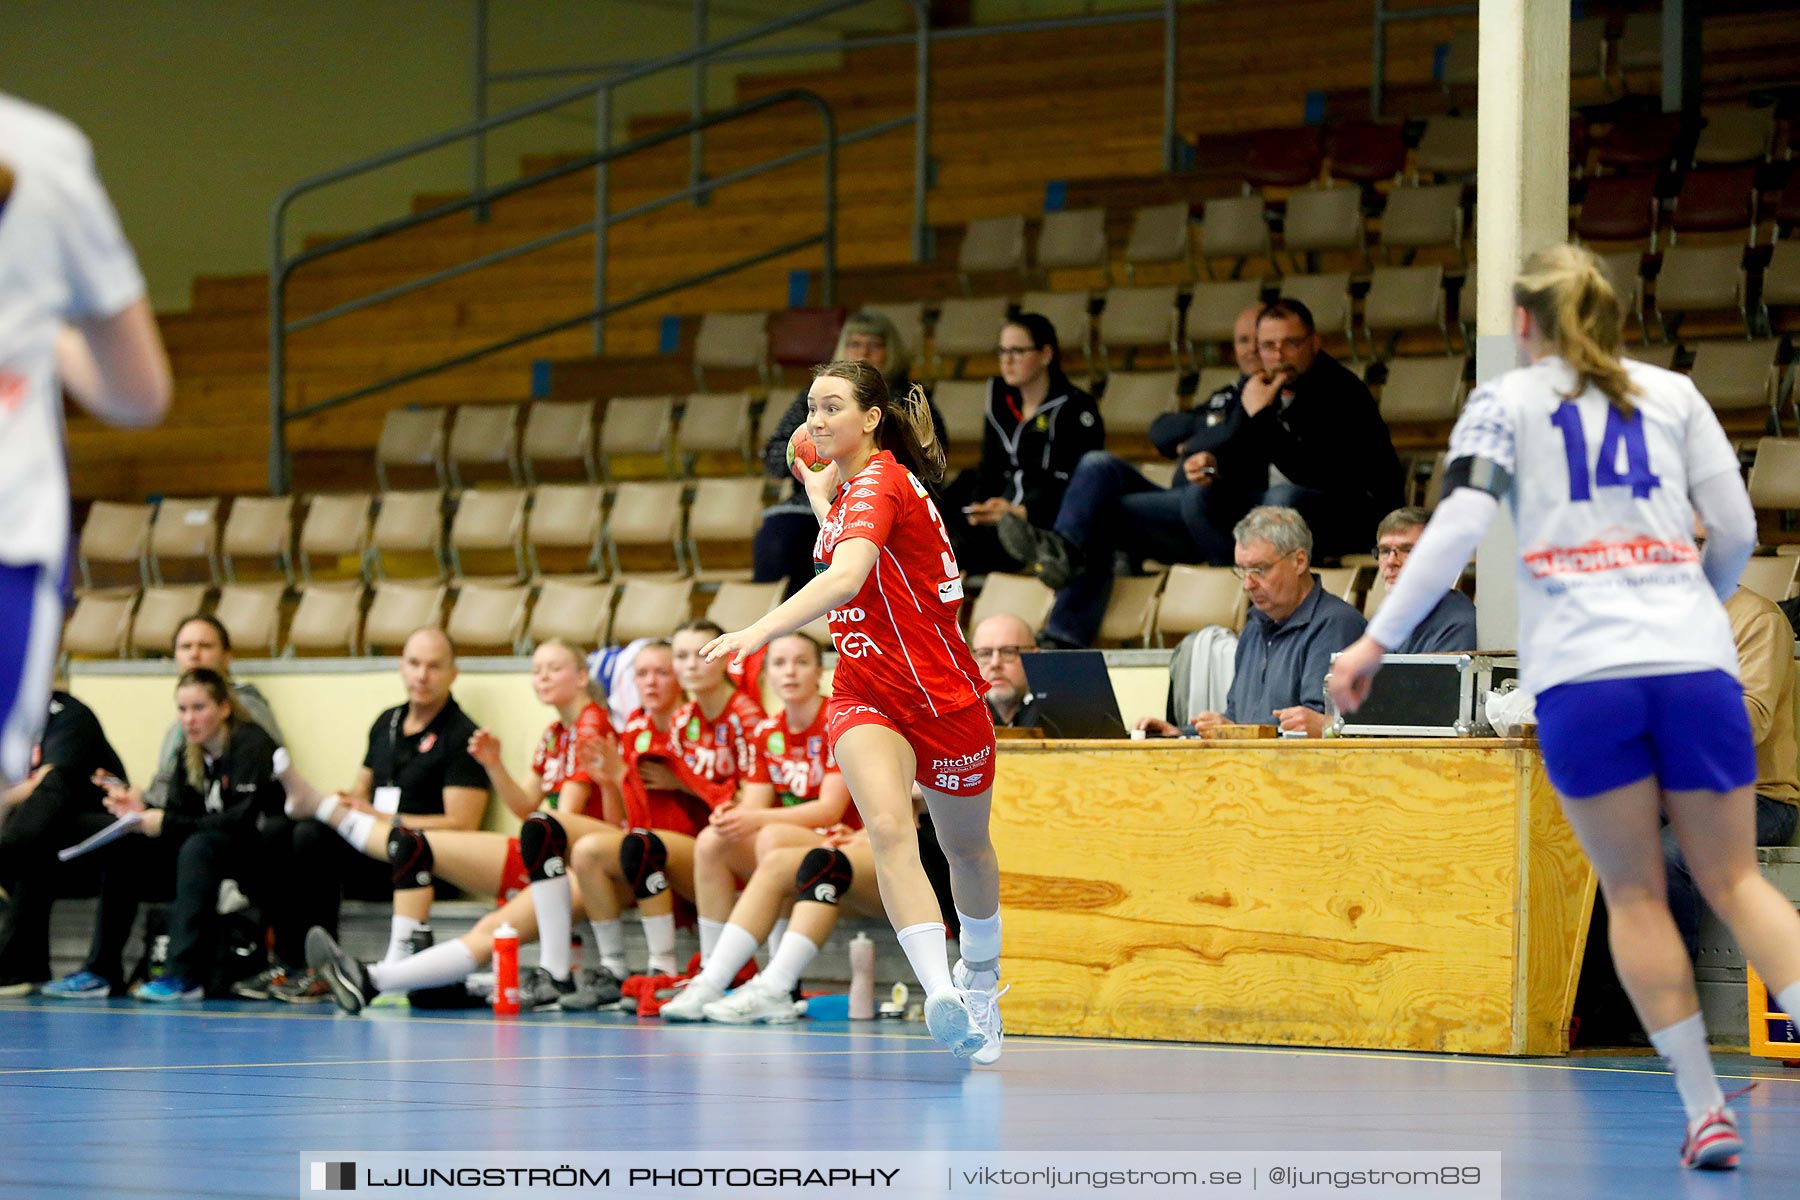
(409, 857)
(642, 857)
(824, 875)
(544, 845)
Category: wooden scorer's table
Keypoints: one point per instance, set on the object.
(1401, 894)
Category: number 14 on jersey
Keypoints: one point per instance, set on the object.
(1620, 430)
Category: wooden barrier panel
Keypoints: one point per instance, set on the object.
(1384, 894)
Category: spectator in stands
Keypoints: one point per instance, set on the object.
(784, 542)
(1448, 628)
(1318, 428)
(205, 834)
(1295, 627)
(1039, 425)
(999, 644)
(57, 805)
(203, 641)
(417, 772)
(1111, 508)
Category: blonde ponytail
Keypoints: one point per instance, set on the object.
(1567, 293)
(913, 410)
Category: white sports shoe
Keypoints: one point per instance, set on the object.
(753, 1004)
(951, 1024)
(984, 1006)
(686, 1005)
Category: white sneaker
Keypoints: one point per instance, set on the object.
(753, 1004)
(951, 1024)
(687, 1003)
(984, 1006)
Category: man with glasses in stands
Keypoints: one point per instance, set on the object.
(997, 644)
(1450, 626)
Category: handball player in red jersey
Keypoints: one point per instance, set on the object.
(906, 697)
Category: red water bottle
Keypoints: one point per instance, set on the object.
(506, 971)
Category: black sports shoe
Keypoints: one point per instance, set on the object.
(594, 990)
(538, 989)
(1044, 552)
(262, 985)
(347, 979)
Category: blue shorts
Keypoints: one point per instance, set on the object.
(1690, 732)
(30, 628)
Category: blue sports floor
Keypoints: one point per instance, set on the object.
(119, 1099)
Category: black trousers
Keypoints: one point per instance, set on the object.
(184, 869)
(32, 833)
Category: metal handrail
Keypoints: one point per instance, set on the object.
(280, 327)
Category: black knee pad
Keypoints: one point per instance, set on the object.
(409, 857)
(642, 857)
(544, 845)
(824, 875)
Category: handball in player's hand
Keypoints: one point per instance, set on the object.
(800, 449)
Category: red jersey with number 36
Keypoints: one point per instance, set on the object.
(899, 647)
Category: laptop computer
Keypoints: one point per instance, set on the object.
(1073, 695)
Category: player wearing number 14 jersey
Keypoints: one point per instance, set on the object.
(906, 697)
(1623, 639)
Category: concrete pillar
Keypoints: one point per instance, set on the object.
(1522, 206)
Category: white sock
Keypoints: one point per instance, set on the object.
(732, 948)
(355, 828)
(609, 944)
(793, 956)
(659, 932)
(554, 904)
(1683, 1046)
(446, 962)
(776, 933)
(400, 931)
(980, 943)
(709, 938)
(925, 947)
(328, 806)
(1789, 999)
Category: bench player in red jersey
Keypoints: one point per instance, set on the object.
(906, 697)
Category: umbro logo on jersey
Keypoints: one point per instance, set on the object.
(862, 493)
(865, 506)
(971, 780)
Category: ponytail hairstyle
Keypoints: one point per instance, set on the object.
(1567, 293)
(193, 759)
(595, 692)
(906, 430)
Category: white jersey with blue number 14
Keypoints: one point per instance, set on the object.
(1609, 577)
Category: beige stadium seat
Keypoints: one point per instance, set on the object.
(487, 536)
(397, 610)
(732, 342)
(407, 540)
(185, 531)
(259, 527)
(1661, 354)
(116, 536)
(644, 529)
(1069, 313)
(1624, 269)
(100, 625)
(577, 613)
(908, 317)
(411, 438)
(160, 612)
(722, 523)
(1160, 234)
(559, 431)
(1374, 596)
(819, 630)
(328, 620)
(773, 409)
(1640, 42)
(485, 435)
(487, 617)
(1772, 577)
(1237, 228)
(1213, 310)
(1736, 376)
(1323, 219)
(650, 608)
(1340, 582)
(1136, 318)
(1775, 474)
(1738, 134)
(1195, 597)
(1130, 609)
(642, 426)
(1424, 390)
(991, 245)
(1327, 297)
(1699, 279)
(965, 329)
(963, 402)
(1423, 218)
(1133, 399)
(564, 530)
(1211, 379)
(1024, 596)
(252, 614)
(1405, 298)
(1781, 278)
(336, 527)
(1447, 147)
(1074, 240)
(718, 424)
(740, 603)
